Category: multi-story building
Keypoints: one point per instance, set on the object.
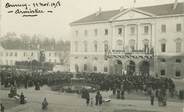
(11, 56)
(146, 40)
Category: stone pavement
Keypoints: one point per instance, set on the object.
(64, 102)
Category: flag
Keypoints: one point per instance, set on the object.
(175, 4)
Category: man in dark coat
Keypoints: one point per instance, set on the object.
(37, 86)
(152, 96)
(97, 98)
(100, 99)
(118, 94)
(44, 104)
(87, 98)
(2, 108)
(22, 99)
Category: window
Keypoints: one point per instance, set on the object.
(178, 60)
(163, 47)
(55, 54)
(106, 32)
(96, 32)
(50, 60)
(85, 57)
(146, 45)
(32, 54)
(105, 69)
(85, 46)
(6, 62)
(119, 44)
(85, 67)
(132, 30)
(49, 54)
(6, 53)
(16, 54)
(178, 27)
(106, 46)
(119, 31)
(95, 46)
(162, 60)
(11, 53)
(163, 28)
(24, 54)
(60, 54)
(86, 33)
(132, 45)
(162, 72)
(178, 47)
(95, 58)
(76, 46)
(178, 73)
(1, 53)
(146, 29)
(11, 62)
(76, 33)
(95, 68)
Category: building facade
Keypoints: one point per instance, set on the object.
(144, 40)
(11, 56)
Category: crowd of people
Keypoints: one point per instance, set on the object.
(151, 86)
(155, 87)
(129, 82)
(28, 79)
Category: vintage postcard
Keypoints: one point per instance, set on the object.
(91, 55)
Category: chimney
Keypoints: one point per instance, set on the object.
(99, 12)
(121, 8)
(175, 4)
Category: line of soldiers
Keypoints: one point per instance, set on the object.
(118, 83)
(129, 82)
(29, 79)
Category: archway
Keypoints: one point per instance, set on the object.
(144, 67)
(130, 67)
(118, 67)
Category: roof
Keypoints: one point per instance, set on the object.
(157, 10)
(103, 16)
(161, 10)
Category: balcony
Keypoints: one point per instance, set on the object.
(132, 54)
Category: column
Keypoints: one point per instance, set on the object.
(155, 46)
(137, 37)
(139, 47)
(111, 40)
(125, 37)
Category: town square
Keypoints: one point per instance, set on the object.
(92, 56)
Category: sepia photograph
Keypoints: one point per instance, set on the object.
(91, 55)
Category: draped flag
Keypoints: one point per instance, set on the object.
(175, 4)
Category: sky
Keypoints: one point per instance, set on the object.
(56, 25)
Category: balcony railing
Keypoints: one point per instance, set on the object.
(134, 53)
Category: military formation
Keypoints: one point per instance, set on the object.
(154, 87)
